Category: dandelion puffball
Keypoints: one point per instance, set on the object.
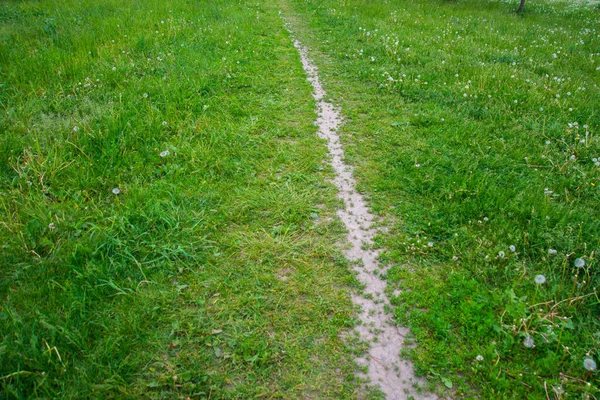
(512, 248)
(528, 342)
(589, 364)
(116, 191)
(579, 262)
(540, 279)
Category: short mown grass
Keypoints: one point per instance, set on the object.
(475, 131)
(164, 207)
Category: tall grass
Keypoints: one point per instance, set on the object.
(160, 179)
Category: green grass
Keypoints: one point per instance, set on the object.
(473, 129)
(213, 272)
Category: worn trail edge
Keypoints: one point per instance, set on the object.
(394, 376)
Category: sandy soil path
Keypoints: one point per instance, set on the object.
(394, 376)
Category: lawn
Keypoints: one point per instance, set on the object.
(166, 219)
(474, 132)
(167, 211)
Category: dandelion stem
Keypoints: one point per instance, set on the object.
(546, 389)
(558, 342)
(573, 287)
(541, 304)
(573, 378)
(574, 299)
(16, 374)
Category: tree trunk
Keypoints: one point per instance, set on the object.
(521, 7)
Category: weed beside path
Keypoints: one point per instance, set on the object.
(475, 133)
(164, 218)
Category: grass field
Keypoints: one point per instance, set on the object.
(475, 133)
(167, 221)
(165, 216)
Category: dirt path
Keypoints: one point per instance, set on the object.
(394, 376)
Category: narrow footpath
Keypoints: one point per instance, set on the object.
(395, 377)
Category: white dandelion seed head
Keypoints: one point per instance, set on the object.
(540, 279)
(512, 248)
(589, 364)
(528, 342)
(116, 191)
(479, 357)
(501, 254)
(164, 153)
(75, 128)
(552, 252)
(145, 95)
(579, 262)
(486, 219)
(164, 123)
(430, 244)
(558, 390)
(454, 258)
(51, 226)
